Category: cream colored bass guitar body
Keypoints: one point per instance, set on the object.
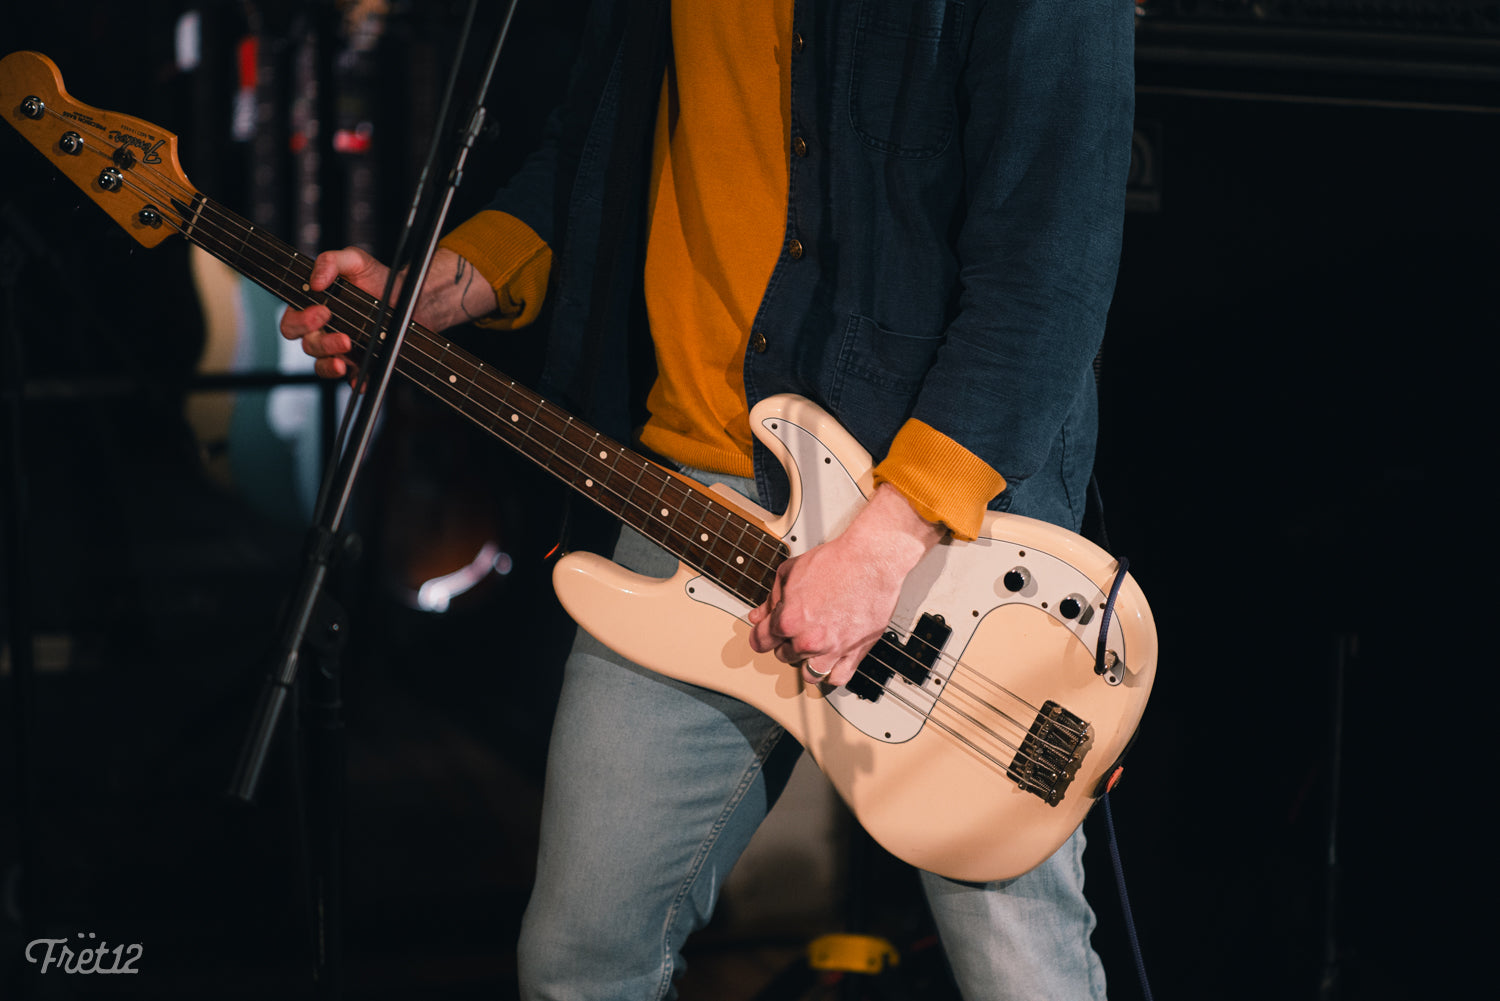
(928, 764)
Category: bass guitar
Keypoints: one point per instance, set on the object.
(979, 731)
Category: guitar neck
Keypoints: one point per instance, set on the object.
(740, 555)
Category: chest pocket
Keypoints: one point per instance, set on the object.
(902, 87)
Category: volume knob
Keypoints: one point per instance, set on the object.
(1016, 579)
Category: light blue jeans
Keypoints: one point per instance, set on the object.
(653, 790)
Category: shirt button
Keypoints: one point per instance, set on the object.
(797, 43)
(799, 146)
(795, 249)
(758, 342)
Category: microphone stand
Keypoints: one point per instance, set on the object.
(314, 620)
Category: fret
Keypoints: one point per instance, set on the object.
(570, 453)
(633, 493)
(550, 424)
(683, 497)
(441, 361)
(627, 488)
(600, 477)
(482, 400)
(594, 470)
(296, 280)
(699, 541)
(457, 373)
(728, 546)
(597, 462)
(657, 510)
(243, 239)
(577, 440)
(666, 509)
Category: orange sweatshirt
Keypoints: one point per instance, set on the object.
(717, 220)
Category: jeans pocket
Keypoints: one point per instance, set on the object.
(902, 86)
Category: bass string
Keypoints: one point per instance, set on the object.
(158, 183)
(362, 316)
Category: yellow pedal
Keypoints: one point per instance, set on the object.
(851, 953)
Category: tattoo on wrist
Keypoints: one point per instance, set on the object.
(465, 270)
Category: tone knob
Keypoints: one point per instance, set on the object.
(1016, 579)
(1070, 607)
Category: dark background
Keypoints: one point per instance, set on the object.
(1295, 453)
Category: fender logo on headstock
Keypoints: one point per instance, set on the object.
(146, 146)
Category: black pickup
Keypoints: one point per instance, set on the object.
(912, 660)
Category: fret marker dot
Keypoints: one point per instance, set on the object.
(307, 288)
(663, 512)
(703, 537)
(588, 483)
(604, 455)
(515, 418)
(739, 559)
(452, 378)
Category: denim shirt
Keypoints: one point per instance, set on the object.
(956, 198)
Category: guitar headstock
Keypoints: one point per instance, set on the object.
(126, 165)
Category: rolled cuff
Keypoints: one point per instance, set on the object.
(942, 480)
(509, 255)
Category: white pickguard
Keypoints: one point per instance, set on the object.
(963, 584)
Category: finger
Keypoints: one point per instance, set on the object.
(332, 368)
(842, 672)
(762, 640)
(331, 263)
(327, 344)
(765, 635)
(789, 651)
(296, 323)
(812, 674)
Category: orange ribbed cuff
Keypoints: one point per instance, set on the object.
(942, 480)
(512, 258)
